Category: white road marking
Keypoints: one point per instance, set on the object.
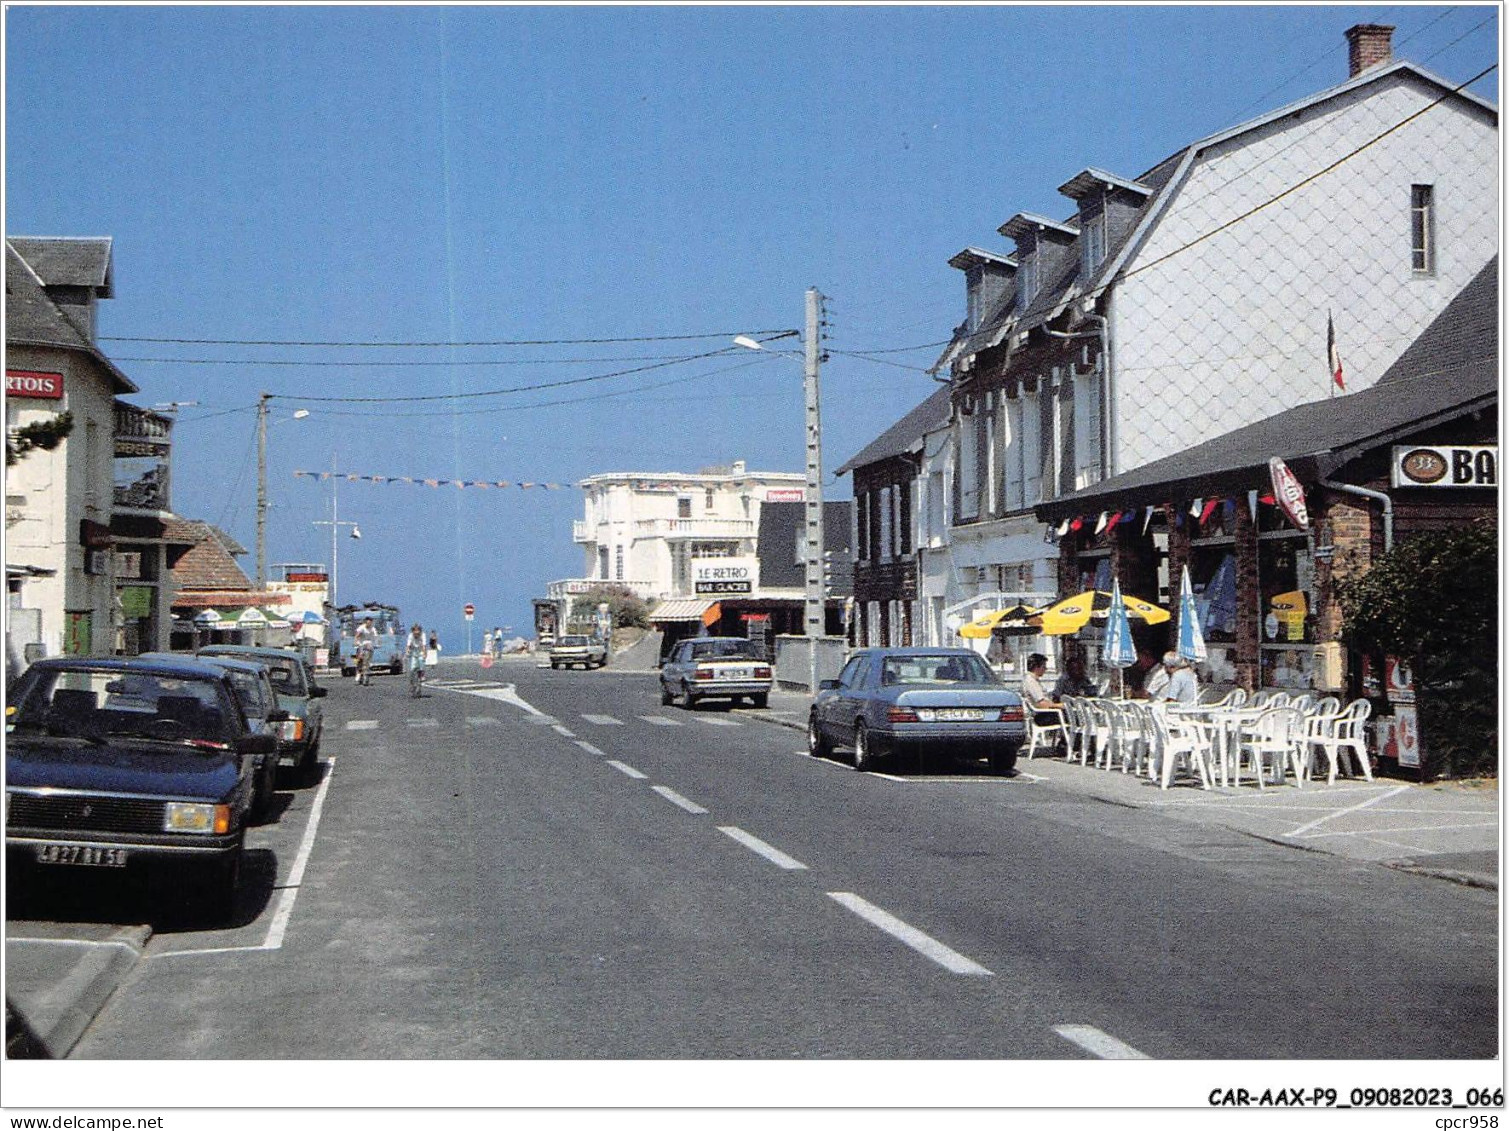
(422, 722)
(660, 721)
(508, 693)
(1406, 829)
(602, 720)
(1103, 1045)
(481, 721)
(590, 749)
(923, 944)
(719, 722)
(563, 732)
(362, 724)
(1349, 809)
(630, 770)
(290, 887)
(755, 844)
(676, 799)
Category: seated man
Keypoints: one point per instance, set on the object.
(1073, 682)
(1033, 694)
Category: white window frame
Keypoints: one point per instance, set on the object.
(1027, 281)
(1088, 463)
(1422, 229)
(1013, 456)
(1032, 450)
(1094, 242)
(969, 468)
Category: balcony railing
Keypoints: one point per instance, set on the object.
(581, 586)
(581, 532)
(140, 431)
(694, 528)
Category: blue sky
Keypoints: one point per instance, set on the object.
(397, 174)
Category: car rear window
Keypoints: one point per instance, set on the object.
(725, 650)
(935, 669)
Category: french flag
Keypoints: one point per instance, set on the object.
(1333, 355)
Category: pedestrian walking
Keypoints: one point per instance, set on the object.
(497, 642)
(487, 643)
(432, 656)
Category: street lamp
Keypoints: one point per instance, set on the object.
(300, 414)
(814, 614)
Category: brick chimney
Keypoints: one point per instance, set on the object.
(1368, 45)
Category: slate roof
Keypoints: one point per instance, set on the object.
(1449, 370)
(906, 433)
(1163, 179)
(69, 260)
(31, 316)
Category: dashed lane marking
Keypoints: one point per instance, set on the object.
(1097, 1043)
(720, 722)
(623, 769)
(923, 944)
(602, 720)
(756, 845)
(676, 799)
(590, 749)
(660, 721)
(422, 722)
(481, 721)
(362, 724)
(563, 731)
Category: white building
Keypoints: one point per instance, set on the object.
(656, 533)
(1196, 298)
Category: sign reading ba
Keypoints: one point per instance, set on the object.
(1452, 465)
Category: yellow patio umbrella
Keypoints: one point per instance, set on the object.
(1073, 613)
(1018, 620)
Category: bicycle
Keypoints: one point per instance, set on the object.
(364, 665)
(416, 680)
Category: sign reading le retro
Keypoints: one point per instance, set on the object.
(1448, 466)
(721, 577)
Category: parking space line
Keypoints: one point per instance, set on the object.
(362, 724)
(590, 749)
(1099, 1044)
(621, 768)
(950, 959)
(756, 845)
(676, 799)
(1349, 809)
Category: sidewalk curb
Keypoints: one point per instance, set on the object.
(58, 1012)
(1450, 875)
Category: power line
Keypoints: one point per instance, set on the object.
(433, 345)
(398, 364)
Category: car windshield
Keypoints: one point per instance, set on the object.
(249, 692)
(573, 641)
(726, 649)
(935, 669)
(95, 705)
(285, 673)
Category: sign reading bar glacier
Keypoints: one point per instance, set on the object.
(26, 383)
(721, 577)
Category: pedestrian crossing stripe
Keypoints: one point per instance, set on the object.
(720, 722)
(660, 721)
(603, 720)
(423, 722)
(481, 721)
(362, 724)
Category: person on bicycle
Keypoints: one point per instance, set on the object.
(413, 653)
(366, 641)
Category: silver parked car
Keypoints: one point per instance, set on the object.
(716, 667)
(917, 701)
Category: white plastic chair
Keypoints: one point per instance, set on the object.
(1045, 735)
(1180, 738)
(1100, 731)
(1318, 723)
(1273, 734)
(1076, 729)
(1346, 732)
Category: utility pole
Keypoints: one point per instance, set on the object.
(262, 400)
(814, 610)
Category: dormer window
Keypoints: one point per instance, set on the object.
(1041, 244)
(1093, 241)
(1027, 281)
(987, 277)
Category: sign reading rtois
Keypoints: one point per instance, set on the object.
(26, 383)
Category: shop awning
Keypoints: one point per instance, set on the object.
(685, 610)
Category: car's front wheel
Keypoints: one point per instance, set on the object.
(817, 742)
(666, 698)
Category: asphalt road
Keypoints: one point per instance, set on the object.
(570, 870)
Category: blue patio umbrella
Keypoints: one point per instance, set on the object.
(1191, 639)
(1117, 651)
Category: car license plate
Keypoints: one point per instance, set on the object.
(83, 854)
(959, 715)
(734, 673)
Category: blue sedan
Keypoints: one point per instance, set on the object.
(890, 701)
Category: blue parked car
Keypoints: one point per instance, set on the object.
(893, 702)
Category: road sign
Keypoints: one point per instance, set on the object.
(470, 611)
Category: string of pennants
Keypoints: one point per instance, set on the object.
(1199, 509)
(420, 481)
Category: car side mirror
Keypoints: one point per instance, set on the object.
(257, 744)
(827, 685)
(318, 692)
(278, 716)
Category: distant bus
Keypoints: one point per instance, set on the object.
(387, 651)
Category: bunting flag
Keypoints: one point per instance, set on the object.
(1208, 509)
(1063, 528)
(1077, 524)
(1101, 524)
(1252, 504)
(459, 484)
(1111, 525)
(1194, 508)
(1147, 518)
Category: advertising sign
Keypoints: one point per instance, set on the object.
(136, 601)
(713, 577)
(1288, 493)
(786, 495)
(1399, 737)
(1451, 466)
(40, 386)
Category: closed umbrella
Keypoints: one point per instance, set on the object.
(1191, 639)
(1018, 620)
(1117, 651)
(1073, 613)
